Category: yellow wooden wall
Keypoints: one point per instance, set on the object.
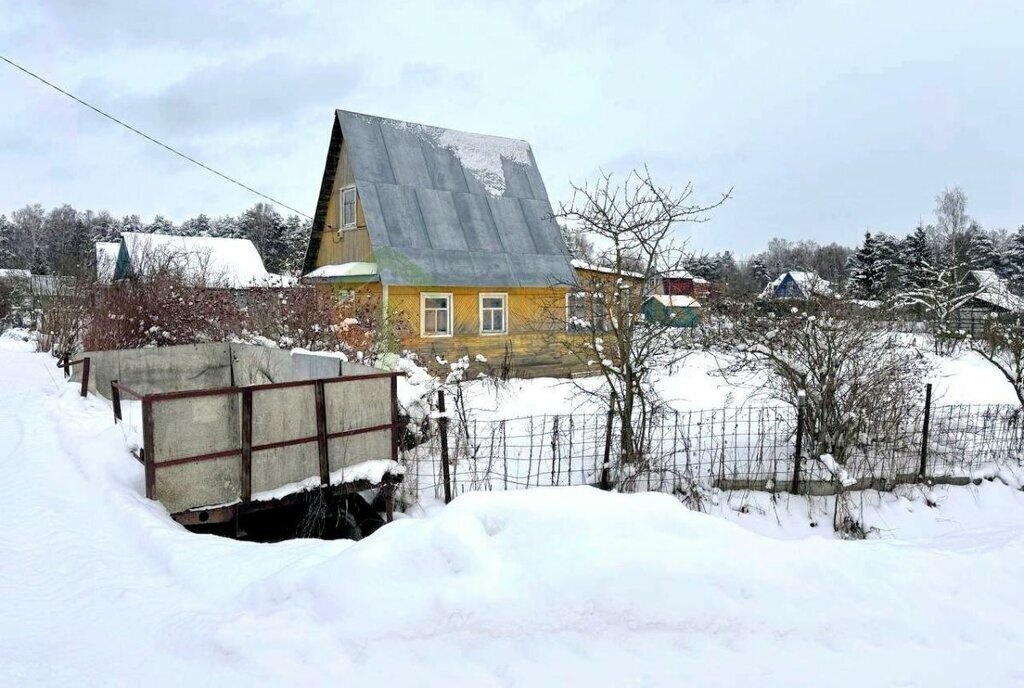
(350, 245)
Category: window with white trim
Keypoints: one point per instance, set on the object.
(436, 315)
(348, 207)
(576, 312)
(493, 313)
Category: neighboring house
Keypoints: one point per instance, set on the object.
(992, 296)
(797, 284)
(675, 310)
(680, 283)
(106, 260)
(212, 262)
(585, 306)
(452, 231)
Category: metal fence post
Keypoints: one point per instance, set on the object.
(321, 433)
(115, 400)
(924, 430)
(246, 468)
(795, 486)
(606, 483)
(442, 425)
(85, 376)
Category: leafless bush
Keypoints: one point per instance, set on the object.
(854, 377)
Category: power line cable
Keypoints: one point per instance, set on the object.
(151, 139)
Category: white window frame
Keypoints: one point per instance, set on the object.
(341, 208)
(423, 313)
(504, 313)
(569, 327)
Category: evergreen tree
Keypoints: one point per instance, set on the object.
(264, 227)
(132, 223)
(199, 226)
(914, 260)
(887, 248)
(1014, 263)
(867, 278)
(161, 225)
(6, 244)
(980, 249)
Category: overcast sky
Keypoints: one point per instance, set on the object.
(826, 118)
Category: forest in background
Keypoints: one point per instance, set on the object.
(60, 241)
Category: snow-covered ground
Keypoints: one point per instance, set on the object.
(548, 587)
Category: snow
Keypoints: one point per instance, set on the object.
(594, 267)
(995, 290)
(343, 270)
(547, 587)
(676, 300)
(106, 260)
(221, 262)
(13, 273)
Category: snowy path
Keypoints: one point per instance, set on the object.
(543, 588)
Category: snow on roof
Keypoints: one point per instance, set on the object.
(12, 273)
(994, 290)
(593, 267)
(342, 271)
(217, 261)
(809, 282)
(106, 259)
(676, 300)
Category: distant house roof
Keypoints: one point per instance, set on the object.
(215, 261)
(675, 300)
(445, 207)
(106, 260)
(13, 273)
(683, 275)
(593, 267)
(807, 284)
(994, 290)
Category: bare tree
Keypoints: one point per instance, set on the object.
(635, 222)
(942, 294)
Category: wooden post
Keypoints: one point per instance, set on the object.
(246, 475)
(321, 433)
(795, 487)
(924, 430)
(149, 456)
(115, 399)
(442, 427)
(605, 473)
(85, 375)
(65, 363)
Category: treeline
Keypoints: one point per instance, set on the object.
(61, 240)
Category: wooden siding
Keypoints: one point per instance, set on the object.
(350, 245)
(535, 337)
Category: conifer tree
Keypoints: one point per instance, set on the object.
(865, 271)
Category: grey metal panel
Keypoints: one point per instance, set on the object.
(541, 270)
(532, 173)
(517, 184)
(512, 226)
(477, 222)
(441, 220)
(375, 224)
(543, 228)
(494, 270)
(369, 155)
(402, 216)
(405, 155)
(445, 170)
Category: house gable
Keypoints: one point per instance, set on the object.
(442, 207)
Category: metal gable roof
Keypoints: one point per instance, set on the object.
(449, 208)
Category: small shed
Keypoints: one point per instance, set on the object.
(675, 310)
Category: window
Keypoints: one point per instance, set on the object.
(493, 313)
(576, 312)
(435, 315)
(601, 322)
(348, 207)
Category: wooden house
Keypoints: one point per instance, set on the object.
(452, 232)
(680, 283)
(797, 284)
(990, 297)
(675, 310)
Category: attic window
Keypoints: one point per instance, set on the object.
(348, 207)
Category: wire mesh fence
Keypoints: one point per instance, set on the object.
(729, 448)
